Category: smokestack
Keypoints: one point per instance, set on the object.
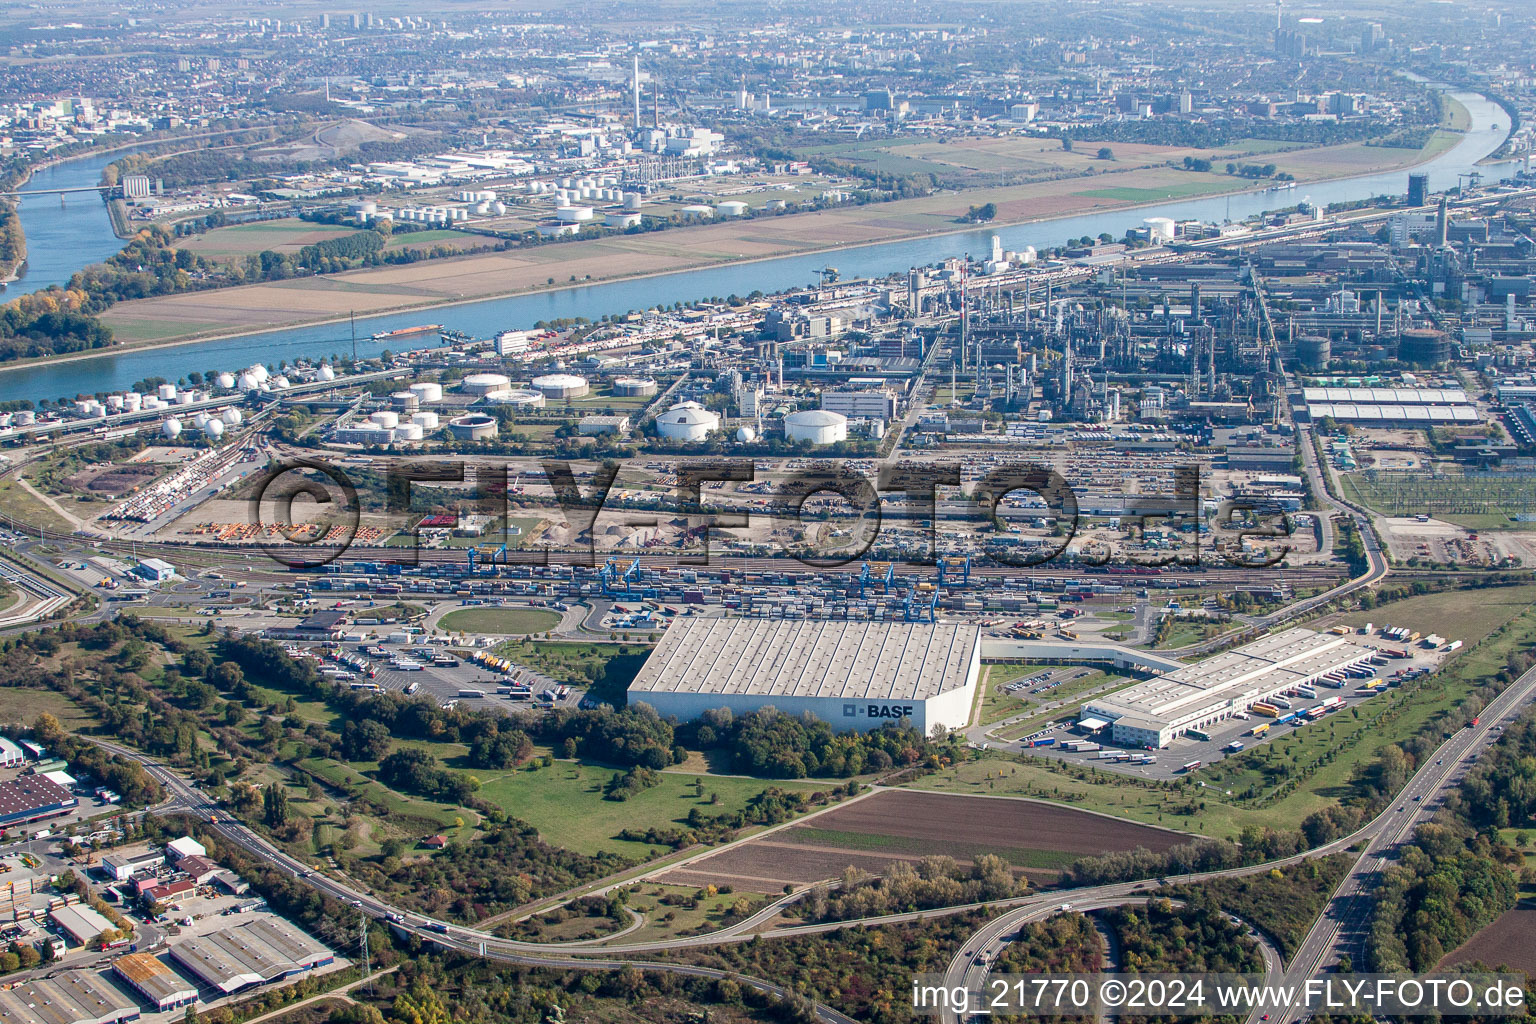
(637, 92)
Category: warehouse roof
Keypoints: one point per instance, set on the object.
(82, 923)
(31, 794)
(1388, 396)
(772, 657)
(1267, 665)
(71, 997)
(151, 976)
(251, 953)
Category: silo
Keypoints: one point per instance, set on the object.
(1423, 346)
(428, 391)
(1314, 351)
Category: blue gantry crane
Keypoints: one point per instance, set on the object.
(947, 570)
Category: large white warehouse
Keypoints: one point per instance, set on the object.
(687, 421)
(856, 676)
(818, 426)
(1152, 713)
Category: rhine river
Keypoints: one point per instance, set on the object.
(63, 238)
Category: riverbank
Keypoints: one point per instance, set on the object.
(418, 287)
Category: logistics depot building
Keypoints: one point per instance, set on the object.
(857, 676)
(1152, 713)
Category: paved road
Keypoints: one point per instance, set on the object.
(1343, 925)
(1347, 912)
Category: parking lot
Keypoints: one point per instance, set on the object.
(1170, 762)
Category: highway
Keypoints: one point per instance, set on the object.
(1346, 915)
(1343, 925)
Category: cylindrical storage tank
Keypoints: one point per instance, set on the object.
(731, 208)
(573, 214)
(634, 387)
(632, 201)
(1160, 229)
(133, 401)
(519, 398)
(185, 398)
(425, 420)
(166, 392)
(428, 391)
(410, 432)
(214, 428)
(621, 221)
(816, 426)
(231, 417)
(687, 421)
(226, 381)
(559, 386)
(1314, 351)
(485, 383)
(115, 402)
(405, 401)
(171, 428)
(385, 418)
(476, 426)
(1423, 346)
(24, 418)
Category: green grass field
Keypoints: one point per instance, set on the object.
(1154, 195)
(565, 803)
(998, 704)
(1323, 757)
(499, 620)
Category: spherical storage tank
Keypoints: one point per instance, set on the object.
(226, 381)
(326, 373)
(634, 387)
(231, 417)
(485, 383)
(561, 385)
(171, 428)
(687, 421)
(428, 391)
(818, 426)
(474, 427)
(214, 428)
(746, 435)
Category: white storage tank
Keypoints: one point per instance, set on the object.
(166, 392)
(326, 373)
(231, 417)
(385, 418)
(746, 435)
(485, 383)
(687, 421)
(621, 221)
(24, 418)
(559, 386)
(171, 428)
(817, 426)
(405, 401)
(573, 214)
(522, 399)
(185, 398)
(410, 432)
(732, 208)
(632, 201)
(214, 428)
(428, 391)
(226, 381)
(634, 387)
(425, 420)
(475, 426)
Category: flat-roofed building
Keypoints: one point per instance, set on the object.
(154, 981)
(1152, 713)
(267, 949)
(856, 676)
(79, 923)
(69, 997)
(31, 797)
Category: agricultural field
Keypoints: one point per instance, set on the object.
(565, 802)
(288, 234)
(1509, 942)
(1038, 839)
